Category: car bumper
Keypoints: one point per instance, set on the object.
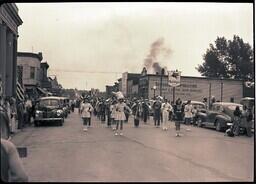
(48, 119)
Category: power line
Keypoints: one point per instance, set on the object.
(83, 71)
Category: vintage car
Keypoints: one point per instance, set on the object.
(220, 116)
(199, 106)
(65, 105)
(49, 109)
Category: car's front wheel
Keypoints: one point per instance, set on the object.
(199, 122)
(60, 123)
(218, 126)
(36, 123)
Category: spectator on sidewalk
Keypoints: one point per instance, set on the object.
(237, 120)
(20, 113)
(13, 115)
(28, 107)
(188, 113)
(12, 169)
(248, 117)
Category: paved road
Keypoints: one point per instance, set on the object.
(141, 154)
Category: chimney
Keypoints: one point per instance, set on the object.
(40, 55)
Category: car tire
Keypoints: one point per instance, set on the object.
(60, 123)
(199, 122)
(218, 126)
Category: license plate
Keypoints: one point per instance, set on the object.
(22, 151)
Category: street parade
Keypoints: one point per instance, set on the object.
(127, 92)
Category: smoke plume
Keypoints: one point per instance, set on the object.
(153, 59)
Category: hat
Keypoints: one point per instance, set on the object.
(159, 97)
(119, 95)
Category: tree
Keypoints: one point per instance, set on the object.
(228, 59)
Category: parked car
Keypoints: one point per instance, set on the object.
(200, 106)
(248, 101)
(49, 109)
(220, 116)
(65, 106)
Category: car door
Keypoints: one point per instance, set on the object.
(211, 115)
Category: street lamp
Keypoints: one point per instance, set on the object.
(221, 89)
(161, 81)
(154, 88)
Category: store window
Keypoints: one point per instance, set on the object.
(32, 72)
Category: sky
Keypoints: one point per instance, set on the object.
(90, 45)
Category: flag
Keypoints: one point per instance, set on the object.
(20, 92)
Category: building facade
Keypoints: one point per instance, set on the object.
(30, 73)
(29, 65)
(44, 80)
(194, 88)
(9, 22)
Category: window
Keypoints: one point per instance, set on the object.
(32, 72)
(20, 74)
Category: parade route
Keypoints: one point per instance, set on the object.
(67, 153)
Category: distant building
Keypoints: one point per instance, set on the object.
(55, 87)
(9, 22)
(44, 80)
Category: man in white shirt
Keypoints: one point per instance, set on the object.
(188, 113)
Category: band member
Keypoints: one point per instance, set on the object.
(86, 110)
(136, 110)
(166, 108)
(120, 115)
(157, 112)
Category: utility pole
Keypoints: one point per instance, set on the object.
(161, 81)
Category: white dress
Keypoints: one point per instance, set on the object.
(119, 114)
(86, 109)
(166, 108)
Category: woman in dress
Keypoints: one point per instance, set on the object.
(120, 115)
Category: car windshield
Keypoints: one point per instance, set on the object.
(199, 106)
(49, 102)
(233, 107)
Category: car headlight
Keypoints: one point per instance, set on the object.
(229, 124)
(38, 113)
(59, 112)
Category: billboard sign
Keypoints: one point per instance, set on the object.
(174, 78)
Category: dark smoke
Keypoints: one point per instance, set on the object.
(151, 62)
